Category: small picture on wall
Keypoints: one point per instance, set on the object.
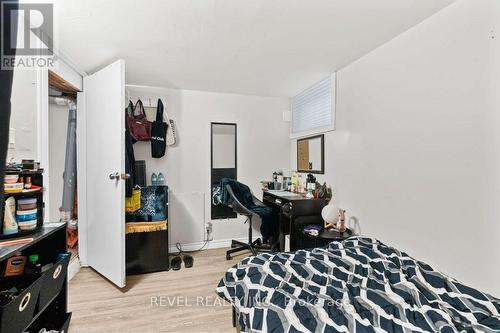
(310, 154)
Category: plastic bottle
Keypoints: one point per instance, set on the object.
(161, 179)
(27, 184)
(9, 220)
(33, 266)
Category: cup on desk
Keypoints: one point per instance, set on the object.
(277, 186)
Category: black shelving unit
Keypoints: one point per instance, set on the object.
(36, 179)
(43, 303)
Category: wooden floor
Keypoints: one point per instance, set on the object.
(173, 301)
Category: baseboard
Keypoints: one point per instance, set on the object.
(73, 267)
(213, 244)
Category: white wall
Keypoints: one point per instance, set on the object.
(416, 153)
(24, 116)
(263, 146)
(58, 125)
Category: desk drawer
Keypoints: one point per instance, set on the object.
(272, 201)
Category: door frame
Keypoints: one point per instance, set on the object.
(71, 73)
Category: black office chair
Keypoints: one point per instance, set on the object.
(239, 208)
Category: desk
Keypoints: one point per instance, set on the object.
(295, 210)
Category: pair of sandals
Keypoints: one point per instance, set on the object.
(176, 262)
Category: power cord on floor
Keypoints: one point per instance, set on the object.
(181, 251)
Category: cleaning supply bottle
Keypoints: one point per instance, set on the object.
(9, 220)
(33, 266)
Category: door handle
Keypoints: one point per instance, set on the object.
(115, 176)
(118, 176)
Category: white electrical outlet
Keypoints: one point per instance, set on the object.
(208, 229)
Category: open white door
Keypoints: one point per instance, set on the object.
(104, 105)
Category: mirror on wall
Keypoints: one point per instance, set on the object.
(223, 164)
(311, 154)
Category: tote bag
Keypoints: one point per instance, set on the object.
(158, 133)
(138, 124)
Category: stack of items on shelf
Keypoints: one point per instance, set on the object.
(16, 184)
(25, 218)
(27, 214)
(23, 211)
(11, 184)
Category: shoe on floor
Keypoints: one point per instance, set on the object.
(176, 263)
(188, 261)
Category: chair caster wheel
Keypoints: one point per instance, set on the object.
(228, 257)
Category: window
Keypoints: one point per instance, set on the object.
(313, 109)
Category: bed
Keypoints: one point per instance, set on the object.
(358, 285)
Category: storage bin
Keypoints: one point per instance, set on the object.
(52, 281)
(50, 322)
(18, 314)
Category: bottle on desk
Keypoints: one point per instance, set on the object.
(341, 224)
(33, 266)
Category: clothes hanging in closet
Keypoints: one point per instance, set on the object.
(129, 154)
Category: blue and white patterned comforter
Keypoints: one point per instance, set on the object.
(358, 285)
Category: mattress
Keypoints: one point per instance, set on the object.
(358, 285)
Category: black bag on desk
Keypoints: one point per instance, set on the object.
(158, 133)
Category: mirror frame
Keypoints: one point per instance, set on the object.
(218, 212)
(319, 172)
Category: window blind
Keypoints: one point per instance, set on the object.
(312, 108)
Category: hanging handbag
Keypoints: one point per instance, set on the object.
(138, 124)
(158, 133)
(171, 136)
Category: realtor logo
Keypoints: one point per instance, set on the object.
(27, 32)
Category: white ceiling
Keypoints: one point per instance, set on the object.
(256, 47)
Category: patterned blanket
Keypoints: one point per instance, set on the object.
(358, 285)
